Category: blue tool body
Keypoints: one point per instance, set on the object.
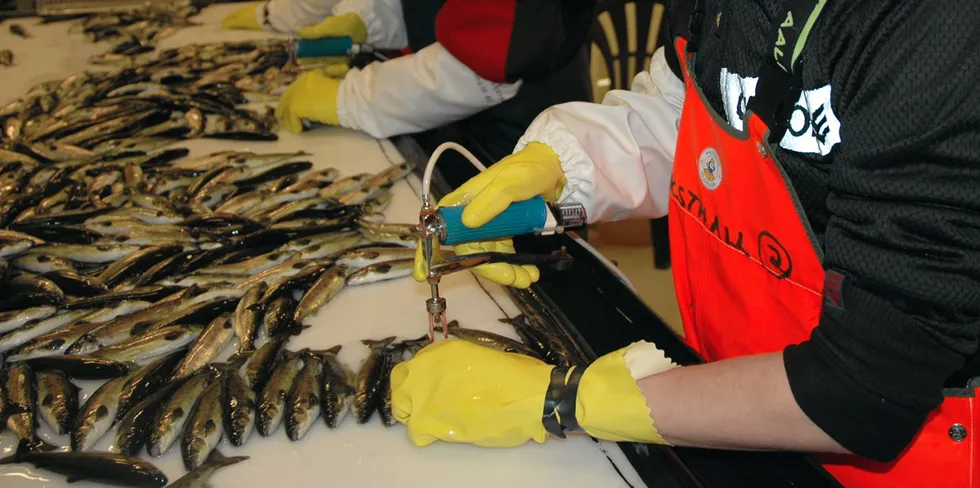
(520, 218)
(329, 46)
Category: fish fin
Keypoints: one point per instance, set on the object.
(216, 458)
(325, 352)
(39, 445)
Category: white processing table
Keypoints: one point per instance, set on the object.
(353, 455)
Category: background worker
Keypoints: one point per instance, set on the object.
(478, 72)
(825, 245)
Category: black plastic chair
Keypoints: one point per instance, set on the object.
(623, 61)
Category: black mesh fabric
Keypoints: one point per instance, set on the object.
(895, 204)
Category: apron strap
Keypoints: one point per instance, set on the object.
(780, 82)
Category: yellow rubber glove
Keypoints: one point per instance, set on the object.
(243, 18)
(312, 97)
(332, 66)
(533, 171)
(456, 391)
(345, 25)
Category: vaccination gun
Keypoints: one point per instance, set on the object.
(444, 226)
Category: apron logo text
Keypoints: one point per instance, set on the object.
(771, 253)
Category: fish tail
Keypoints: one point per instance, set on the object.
(217, 459)
(378, 342)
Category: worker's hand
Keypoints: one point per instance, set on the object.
(312, 97)
(533, 171)
(345, 25)
(243, 18)
(456, 391)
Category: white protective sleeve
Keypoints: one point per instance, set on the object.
(414, 93)
(617, 156)
(383, 18)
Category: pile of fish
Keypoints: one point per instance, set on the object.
(184, 93)
(135, 30)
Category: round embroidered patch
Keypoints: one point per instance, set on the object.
(709, 168)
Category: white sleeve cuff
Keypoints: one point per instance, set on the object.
(383, 19)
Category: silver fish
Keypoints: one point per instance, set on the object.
(151, 345)
(93, 254)
(248, 316)
(14, 319)
(272, 400)
(173, 414)
(252, 266)
(203, 431)
(42, 263)
(239, 407)
(21, 398)
(366, 256)
(122, 328)
(304, 398)
(97, 415)
(57, 341)
(207, 346)
(367, 392)
(338, 388)
(383, 271)
(391, 175)
(34, 329)
(326, 287)
(198, 478)
(57, 400)
(345, 185)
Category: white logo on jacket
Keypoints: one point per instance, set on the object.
(709, 168)
(814, 128)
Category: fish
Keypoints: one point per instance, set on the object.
(90, 254)
(128, 326)
(151, 344)
(305, 397)
(272, 400)
(260, 363)
(279, 314)
(393, 355)
(384, 271)
(35, 284)
(14, 319)
(547, 347)
(332, 246)
(57, 400)
(337, 389)
(18, 30)
(57, 341)
(80, 367)
(344, 185)
(169, 422)
(238, 404)
(33, 329)
(147, 380)
(488, 339)
(324, 289)
(199, 476)
(21, 398)
(97, 415)
(99, 467)
(248, 316)
(137, 262)
(254, 265)
(367, 387)
(363, 257)
(207, 347)
(134, 427)
(203, 430)
(42, 263)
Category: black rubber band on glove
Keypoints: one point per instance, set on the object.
(559, 402)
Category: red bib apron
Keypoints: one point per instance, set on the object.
(749, 279)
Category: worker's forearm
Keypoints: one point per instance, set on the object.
(743, 403)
